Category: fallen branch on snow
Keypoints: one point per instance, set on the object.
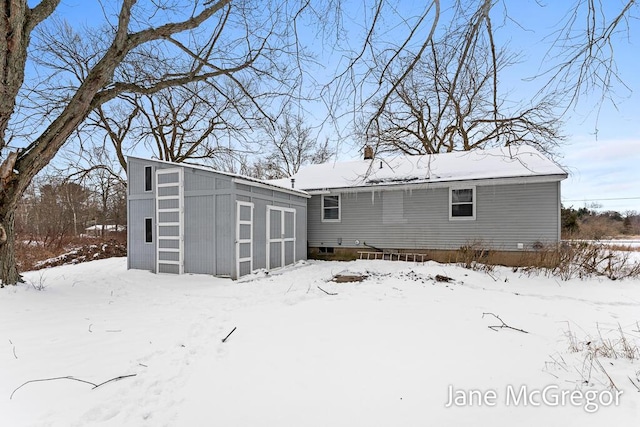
(228, 335)
(73, 379)
(502, 325)
(14, 349)
(328, 293)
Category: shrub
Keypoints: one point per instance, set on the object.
(567, 260)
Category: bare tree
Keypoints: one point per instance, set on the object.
(581, 59)
(115, 124)
(53, 210)
(193, 123)
(448, 102)
(143, 48)
(291, 145)
(197, 122)
(95, 168)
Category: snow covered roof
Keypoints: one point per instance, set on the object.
(504, 162)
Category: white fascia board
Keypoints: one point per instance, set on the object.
(295, 192)
(441, 184)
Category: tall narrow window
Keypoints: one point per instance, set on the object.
(148, 173)
(462, 201)
(331, 208)
(148, 230)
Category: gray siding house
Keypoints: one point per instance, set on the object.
(505, 199)
(193, 219)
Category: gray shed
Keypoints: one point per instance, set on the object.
(193, 219)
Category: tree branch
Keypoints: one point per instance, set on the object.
(72, 379)
(502, 324)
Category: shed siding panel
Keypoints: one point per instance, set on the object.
(141, 255)
(301, 232)
(223, 183)
(505, 216)
(225, 234)
(195, 180)
(199, 236)
(259, 233)
(135, 176)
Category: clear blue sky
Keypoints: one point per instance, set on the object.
(604, 167)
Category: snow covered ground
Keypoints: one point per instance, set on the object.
(387, 351)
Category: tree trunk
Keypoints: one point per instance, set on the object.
(8, 269)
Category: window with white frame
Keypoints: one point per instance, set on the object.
(462, 203)
(331, 208)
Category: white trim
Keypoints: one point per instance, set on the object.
(180, 224)
(438, 184)
(559, 212)
(240, 241)
(322, 218)
(293, 191)
(280, 239)
(474, 203)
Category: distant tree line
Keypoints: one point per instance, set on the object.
(55, 210)
(584, 223)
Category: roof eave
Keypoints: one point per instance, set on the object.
(439, 184)
(242, 179)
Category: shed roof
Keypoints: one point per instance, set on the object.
(284, 186)
(504, 162)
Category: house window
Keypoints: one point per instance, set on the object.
(148, 230)
(148, 173)
(462, 202)
(331, 208)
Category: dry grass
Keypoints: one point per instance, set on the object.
(621, 247)
(567, 260)
(581, 260)
(476, 256)
(30, 253)
(614, 343)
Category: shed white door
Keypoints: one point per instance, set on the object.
(281, 236)
(170, 220)
(244, 238)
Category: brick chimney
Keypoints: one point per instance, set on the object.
(368, 152)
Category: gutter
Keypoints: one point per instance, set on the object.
(438, 184)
